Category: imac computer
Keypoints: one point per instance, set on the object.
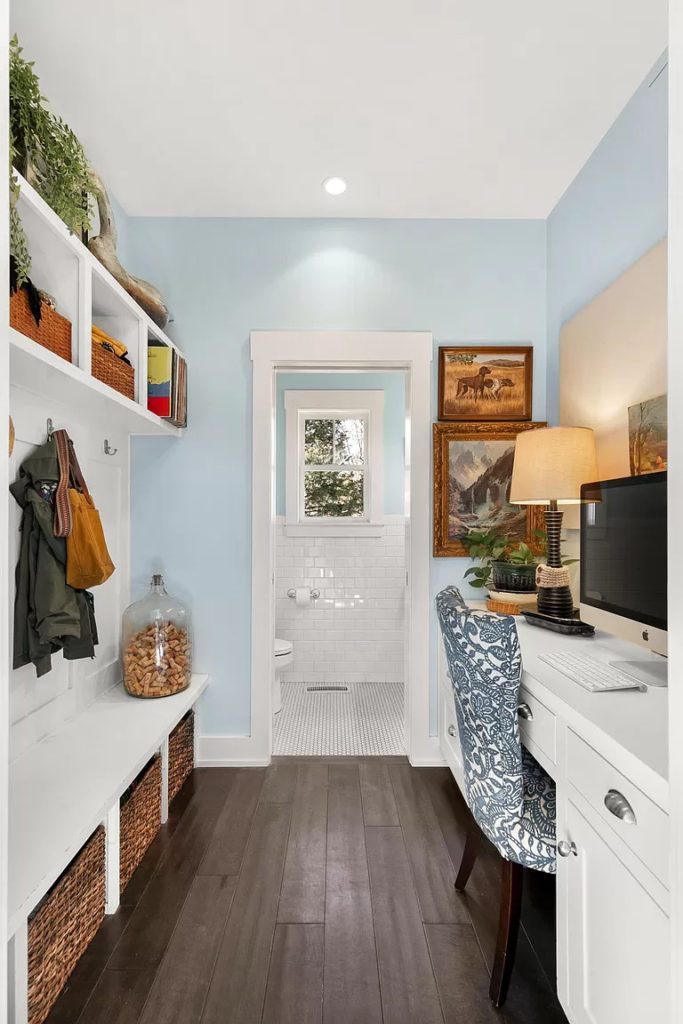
(623, 566)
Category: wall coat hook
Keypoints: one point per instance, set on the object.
(50, 428)
(108, 450)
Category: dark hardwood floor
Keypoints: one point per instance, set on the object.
(313, 891)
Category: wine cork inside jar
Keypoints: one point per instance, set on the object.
(157, 660)
(157, 645)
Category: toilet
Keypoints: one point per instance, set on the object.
(283, 655)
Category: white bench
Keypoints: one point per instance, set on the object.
(61, 789)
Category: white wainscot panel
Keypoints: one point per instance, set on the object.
(39, 707)
(355, 631)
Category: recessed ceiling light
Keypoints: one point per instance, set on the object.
(334, 186)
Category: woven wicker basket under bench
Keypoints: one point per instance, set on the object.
(71, 841)
(140, 819)
(63, 925)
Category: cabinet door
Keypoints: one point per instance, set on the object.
(617, 936)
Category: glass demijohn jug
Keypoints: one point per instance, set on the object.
(157, 644)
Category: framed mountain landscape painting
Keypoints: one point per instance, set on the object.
(472, 475)
(485, 382)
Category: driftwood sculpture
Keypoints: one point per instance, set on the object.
(104, 248)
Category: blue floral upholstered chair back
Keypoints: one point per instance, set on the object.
(510, 796)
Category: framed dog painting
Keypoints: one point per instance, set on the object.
(485, 383)
(472, 476)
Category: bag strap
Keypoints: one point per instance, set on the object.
(61, 526)
(76, 475)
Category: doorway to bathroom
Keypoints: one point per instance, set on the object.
(340, 503)
(340, 563)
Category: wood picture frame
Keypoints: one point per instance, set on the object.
(487, 383)
(484, 458)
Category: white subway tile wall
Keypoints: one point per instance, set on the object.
(354, 632)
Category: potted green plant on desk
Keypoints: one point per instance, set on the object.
(506, 564)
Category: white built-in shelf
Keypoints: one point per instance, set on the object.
(36, 369)
(62, 788)
(86, 293)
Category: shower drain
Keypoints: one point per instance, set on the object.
(327, 689)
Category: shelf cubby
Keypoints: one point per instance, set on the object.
(86, 293)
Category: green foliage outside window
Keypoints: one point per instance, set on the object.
(334, 494)
(331, 491)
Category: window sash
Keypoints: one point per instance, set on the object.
(302, 406)
(335, 416)
(337, 467)
(334, 467)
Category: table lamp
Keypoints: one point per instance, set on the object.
(550, 466)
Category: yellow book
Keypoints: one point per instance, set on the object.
(159, 372)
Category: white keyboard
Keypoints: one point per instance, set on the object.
(590, 673)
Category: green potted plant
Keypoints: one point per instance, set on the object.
(506, 564)
(48, 154)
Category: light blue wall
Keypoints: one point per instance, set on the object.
(466, 281)
(612, 213)
(393, 426)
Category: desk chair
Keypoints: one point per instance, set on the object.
(511, 798)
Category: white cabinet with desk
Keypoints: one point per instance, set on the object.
(607, 753)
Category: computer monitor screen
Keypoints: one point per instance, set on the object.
(623, 550)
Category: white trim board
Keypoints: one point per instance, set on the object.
(410, 351)
(228, 752)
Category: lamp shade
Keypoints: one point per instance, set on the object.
(551, 464)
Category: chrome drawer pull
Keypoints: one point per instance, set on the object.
(451, 730)
(617, 804)
(565, 849)
(525, 712)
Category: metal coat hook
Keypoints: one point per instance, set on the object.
(50, 428)
(108, 450)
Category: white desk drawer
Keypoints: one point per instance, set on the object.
(538, 728)
(596, 778)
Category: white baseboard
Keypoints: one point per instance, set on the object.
(230, 752)
(428, 755)
(243, 752)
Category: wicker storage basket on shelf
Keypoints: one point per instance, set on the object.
(63, 925)
(113, 371)
(140, 819)
(180, 754)
(53, 332)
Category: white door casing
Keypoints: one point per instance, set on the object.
(410, 351)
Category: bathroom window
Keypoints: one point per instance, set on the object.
(334, 461)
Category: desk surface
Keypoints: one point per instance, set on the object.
(628, 726)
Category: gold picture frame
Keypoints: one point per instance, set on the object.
(483, 460)
(485, 382)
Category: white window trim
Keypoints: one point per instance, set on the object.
(300, 405)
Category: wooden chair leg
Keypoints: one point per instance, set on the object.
(469, 855)
(508, 929)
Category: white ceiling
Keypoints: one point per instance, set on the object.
(429, 108)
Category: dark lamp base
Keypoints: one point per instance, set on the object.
(557, 601)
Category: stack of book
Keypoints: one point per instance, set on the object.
(179, 391)
(166, 383)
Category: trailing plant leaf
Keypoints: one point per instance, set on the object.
(18, 244)
(48, 154)
(481, 575)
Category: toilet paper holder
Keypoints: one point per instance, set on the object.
(292, 593)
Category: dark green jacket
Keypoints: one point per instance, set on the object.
(49, 615)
